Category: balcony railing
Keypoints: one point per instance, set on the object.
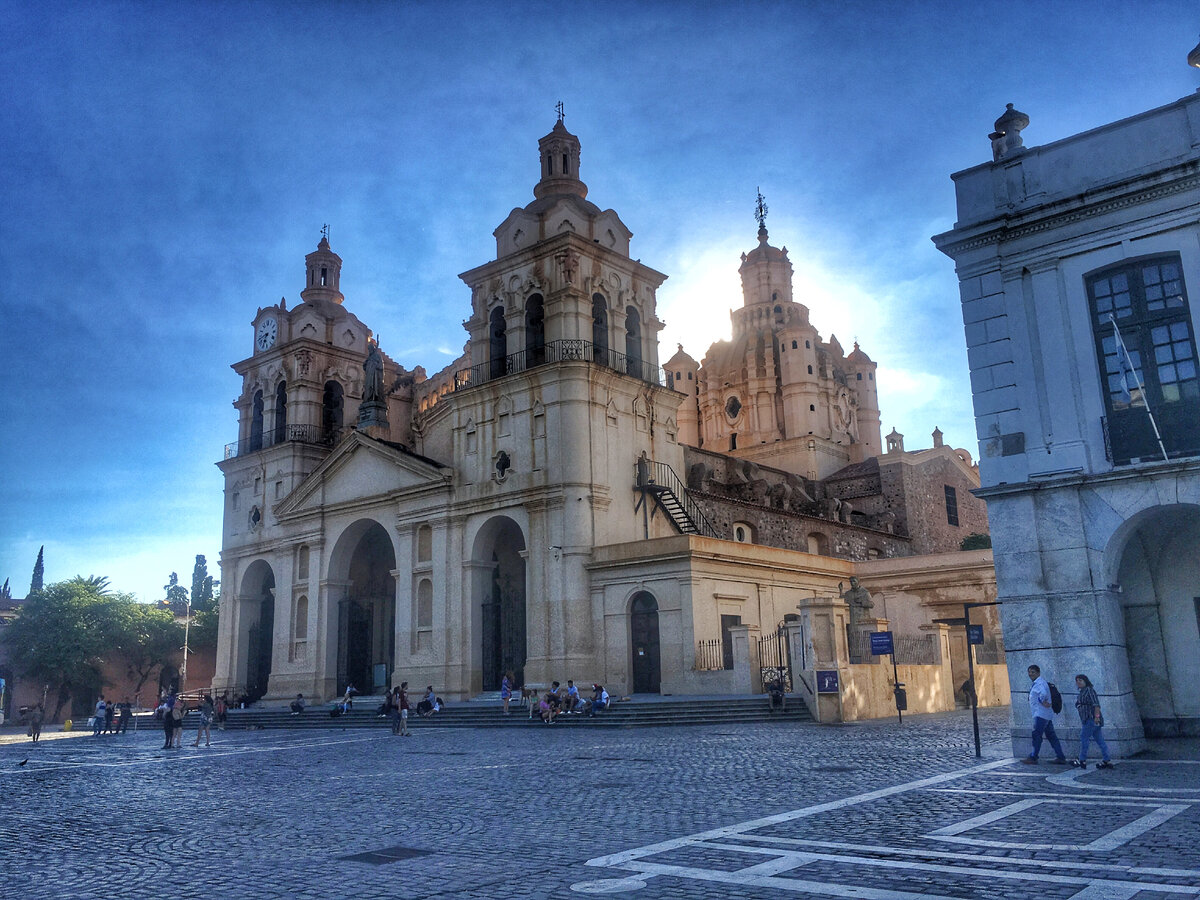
(302, 434)
(559, 351)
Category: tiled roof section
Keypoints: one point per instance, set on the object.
(856, 470)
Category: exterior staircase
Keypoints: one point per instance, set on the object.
(489, 714)
(658, 480)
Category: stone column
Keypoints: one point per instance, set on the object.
(945, 678)
(824, 648)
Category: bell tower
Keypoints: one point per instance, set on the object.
(560, 163)
(323, 273)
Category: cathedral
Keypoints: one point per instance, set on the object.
(558, 502)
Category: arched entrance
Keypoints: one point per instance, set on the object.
(365, 560)
(1159, 575)
(500, 601)
(257, 601)
(643, 638)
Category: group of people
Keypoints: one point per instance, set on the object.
(1087, 704)
(173, 709)
(105, 719)
(558, 700)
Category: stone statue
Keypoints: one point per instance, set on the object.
(859, 599)
(373, 370)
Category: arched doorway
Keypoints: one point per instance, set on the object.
(365, 559)
(257, 601)
(500, 601)
(643, 638)
(1159, 577)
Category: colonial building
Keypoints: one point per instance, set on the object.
(1075, 261)
(554, 504)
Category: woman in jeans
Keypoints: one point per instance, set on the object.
(1091, 720)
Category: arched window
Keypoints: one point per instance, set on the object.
(818, 544)
(280, 411)
(425, 603)
(535, 331)
(331, 410)
(1147, 300)
(600, 330)
(498, 342)
(256, 422)
(633, 343)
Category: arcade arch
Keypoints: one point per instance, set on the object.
(257, 625)
(498, 602)
(363, 561)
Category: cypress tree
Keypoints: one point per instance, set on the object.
(39, 569)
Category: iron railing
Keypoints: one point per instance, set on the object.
(650, 472)
(554, 352)
(911, 649)
(302, 434)
(990, 652)
(774, 660)
(710, 655)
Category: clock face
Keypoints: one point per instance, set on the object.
(268, 330)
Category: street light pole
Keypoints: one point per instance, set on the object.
(187, 621)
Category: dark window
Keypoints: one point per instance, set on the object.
(331, 410)
(600, 330)
(566, 168)
(858, 376)
(324, 275)
(870, 376)
(807, 345)
(689, 376)
(733, 441)
(535, 331)
(812, 408)
(633, 343)
(256, 422)
(794, 347)
(497, 341)
(280, 411)
(727, 622)
(1143, 305)
(810, 370)
(951, 506)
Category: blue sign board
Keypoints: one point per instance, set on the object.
(974, 634)
(881, 643)
(827, 681)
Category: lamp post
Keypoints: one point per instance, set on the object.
(187, 621)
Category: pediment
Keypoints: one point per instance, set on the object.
(361, 470)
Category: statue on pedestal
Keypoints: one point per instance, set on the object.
(373, 373)
(858, 598)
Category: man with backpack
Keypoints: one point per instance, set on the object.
(1041, 706)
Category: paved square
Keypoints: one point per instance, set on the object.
(874, 810)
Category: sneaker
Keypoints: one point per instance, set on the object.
(1105, 764)
(1060, 761)
(1078, 764)
(1030, 760)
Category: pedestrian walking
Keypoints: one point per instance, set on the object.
(110, 710)
(177, 714)
(126, 713)
(205, 727)
(506, 691)
(36, 715)
(403, 704)
(165, 709)
(98, 718)
(1043, 718)
(1091, 720)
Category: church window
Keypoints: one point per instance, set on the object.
(807, 345)
(1142, 304)
(424, 544)
(332, 401)
(794, 346)
(566, 168)
(810, 370)
(256, 422)
(812, 407)
(951, 506)
(280, 411)
(498, 342)
(302, 562)
(633, 343)
(743, 533)
(535, 331)
(689, 376)
(324, 275)
(870, 376)
(679, 376)
(858, 376)
(299, 647)
(733, 441)
(425, 603)
(600, 330)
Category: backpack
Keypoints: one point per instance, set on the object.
(1055, 698)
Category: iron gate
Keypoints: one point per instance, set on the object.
(774, 660)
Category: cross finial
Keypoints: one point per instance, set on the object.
(325, 231)
(558, 108)
(760, 210)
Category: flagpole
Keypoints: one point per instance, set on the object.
(1124, 359)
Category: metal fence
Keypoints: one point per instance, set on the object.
(710, 656)
(774, 660)
(559, 351)
(991, 651)
(303, 434)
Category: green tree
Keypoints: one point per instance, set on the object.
(39, 571)
(202, 585)
(177, 595)
(98, 583)
(976, 541)
(62, 636)
(146, 636)
(203, 635)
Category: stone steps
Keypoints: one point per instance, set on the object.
(629, 714)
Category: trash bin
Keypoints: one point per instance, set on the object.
(67, 725)
(901, 697)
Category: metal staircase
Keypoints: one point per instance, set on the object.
(658, 480)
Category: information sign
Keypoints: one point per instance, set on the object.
(974, 634)
(881, 643)
(827, 681)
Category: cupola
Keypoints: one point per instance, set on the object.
(560, 163)
(323, 274)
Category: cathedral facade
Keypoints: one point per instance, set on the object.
(554, 504)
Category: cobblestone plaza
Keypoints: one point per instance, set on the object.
(873, 810)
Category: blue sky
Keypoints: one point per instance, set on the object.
(167, 166)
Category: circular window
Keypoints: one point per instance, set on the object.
(740, 534)
(733, 406)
